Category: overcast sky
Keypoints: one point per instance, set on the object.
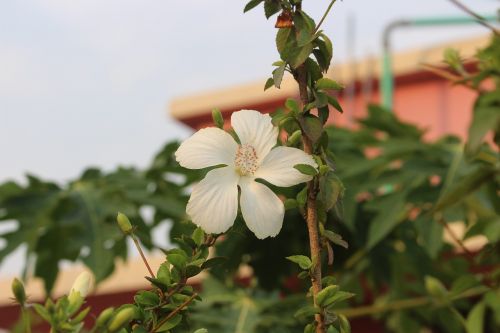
(88, 82)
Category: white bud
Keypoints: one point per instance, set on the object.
(82, 284)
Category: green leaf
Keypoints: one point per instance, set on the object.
(391, 210)
(333, 102)
(330, 189)
(198, 236)
(298, 55)
(465, 186)
(434, 287)
(192, 270)
(177, 260)
(146, 298)
(271, 7)
(431, 234)
(335, 238)
(171, 323)
(282, 39)
(252, 4)
(278, 75)
(303, 30)
(475, 320)
(306, 311)
(326, 84)
(338, 297)
(269, 83)
(321, 99)
(312, 126)
(292, 105)
(303, 261)
(326, 293)
(306, 169)
(215, 261)
(345, 326)
(485, 118)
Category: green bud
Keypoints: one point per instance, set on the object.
(435, 287)
(124, 223)
(122, 318)
(217, 118)
(104, 317)
(294, 138)
(18, 291)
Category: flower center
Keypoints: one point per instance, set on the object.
(245, 160)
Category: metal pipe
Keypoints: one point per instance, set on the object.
(387, 78)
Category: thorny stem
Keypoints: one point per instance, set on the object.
(481, 20)
(324, 15)
(138, 246)
(173, 313)
(311, 214)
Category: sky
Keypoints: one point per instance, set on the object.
(88, 82)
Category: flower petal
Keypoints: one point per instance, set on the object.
(262, 210)
(256, 129)
(277, 168)
(213, 204)
(208, 147)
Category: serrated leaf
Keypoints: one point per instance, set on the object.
(303, 261)
(306, 169)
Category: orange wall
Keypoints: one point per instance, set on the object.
(421, 98)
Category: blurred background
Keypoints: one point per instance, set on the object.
(106, 83)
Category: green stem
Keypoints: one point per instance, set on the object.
(138, 246)
(324, 15)
(26, 320)
(406, 304)
(173, 313)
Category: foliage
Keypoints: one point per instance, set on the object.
(382, 191)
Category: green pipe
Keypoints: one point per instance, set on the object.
(387, 78)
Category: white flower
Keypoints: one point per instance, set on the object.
(213, 204)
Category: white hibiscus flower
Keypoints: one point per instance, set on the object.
(213, 204)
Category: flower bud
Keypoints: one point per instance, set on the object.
(79, 291)
(104, 317)
(122, 318)
(82, 284)
(124, 223)
(18, 291)
(217, 118)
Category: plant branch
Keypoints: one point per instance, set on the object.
(481, 20)
(311, 214)
(173, 313)
(406, 304)
(138, 246)
(324, 16)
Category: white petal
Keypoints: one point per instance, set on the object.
(256, 129)
(205, 148)
(213, 204)
(262, 210)
(277, 168)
